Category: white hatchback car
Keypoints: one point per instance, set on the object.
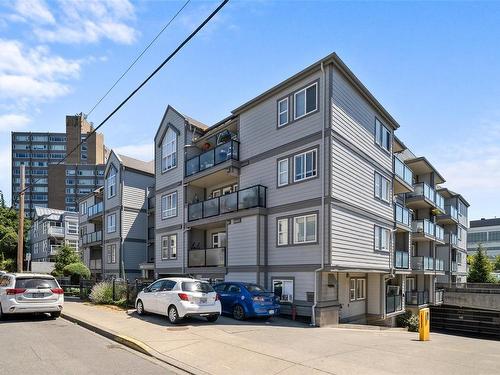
(30, 293)
(178, 298)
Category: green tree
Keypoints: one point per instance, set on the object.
(65, 255)
(77, 271)
(9, 224)
(496, 264)
(480, 268)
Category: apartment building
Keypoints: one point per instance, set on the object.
(114, 221)
(51, 229)
(299, 190)
(487, 233)
(58, 186)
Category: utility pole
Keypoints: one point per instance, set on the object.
(20, 233)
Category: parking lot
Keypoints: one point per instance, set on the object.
(285, 346)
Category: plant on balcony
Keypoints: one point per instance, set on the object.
(436, 211)
(480, 268)
(408, 320)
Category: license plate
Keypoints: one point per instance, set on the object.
(203, 300)
(38, 295)
(271, 312)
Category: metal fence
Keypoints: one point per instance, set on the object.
(490, 288)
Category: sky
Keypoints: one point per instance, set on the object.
(433, 65)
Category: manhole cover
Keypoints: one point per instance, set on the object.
(178, 329)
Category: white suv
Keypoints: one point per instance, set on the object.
(30, 293)
(178, 298)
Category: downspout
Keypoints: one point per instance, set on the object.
(122, 261)
(323, 135)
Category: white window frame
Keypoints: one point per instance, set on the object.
(111, 254)
(282, 239)
(381, 234)
(290, 283)
(111, 183)
(169, 158)
(72, 227)
(381, 132)
(305, 101)
(169, 247)
(280, 112)
(296, 225)
(111, 218)
(352, 289)
(304, 167)
(360, 292)
(169, 205)
(284, 172)
(382, 185)
(83, 208)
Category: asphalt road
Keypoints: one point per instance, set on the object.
(40, 345)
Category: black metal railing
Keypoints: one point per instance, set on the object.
(215, 257)
(251, 197)
(210, 158)
(417, 298)
(393, 303)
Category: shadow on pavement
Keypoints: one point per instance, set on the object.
(18, 318)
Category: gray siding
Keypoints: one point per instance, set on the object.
(116, 200)
(135, 189)
(134, 254)
(134, 225)
(242, 242)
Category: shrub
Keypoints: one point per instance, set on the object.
(102, 294)
(408, 320)
(76, 271)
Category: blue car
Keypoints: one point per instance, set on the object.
(246, 300)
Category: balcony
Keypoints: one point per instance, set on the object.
(438, 296)
(449, 215)
(416, 298)
(404, 177)
(422, 263)
(438, 233)
(426, 230)
(56, 231)
(454, 267)
(251, 197)
(401, 259)
(92, 238)
(439, 265)
(95, 264)
(95, 210)
(452, 239)
(423, 196)
(393, 303)
(439, 200)
(402, 215)
(207, 257)
(211, 158)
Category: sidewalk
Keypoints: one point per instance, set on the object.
(287, 347)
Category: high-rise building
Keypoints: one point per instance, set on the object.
(57, 185)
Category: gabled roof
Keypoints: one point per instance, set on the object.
(484, 222)
(139, 165)
(189, 120)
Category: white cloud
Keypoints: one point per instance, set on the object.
(143, 151)
(5, 171)
(33, 73)
(33, 10)
(10, 122)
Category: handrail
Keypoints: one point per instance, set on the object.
(208, 159)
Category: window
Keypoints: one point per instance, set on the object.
(493, 236)
(382, 136)
(282, 232)
(111, 221)
(72, 227)
(304, 228)
(283, 289)
(83, 208)
(169, 151)
(58, 147)
(382, 239)
(357, 289)
(111, 253)
(410, 284)
(169, 247)
(111, 182)
(382, 187)
(477, 237)
(218, 240)
(306, 101)
(283, 112)
(282, 172)
(305, 165)
(169, 205)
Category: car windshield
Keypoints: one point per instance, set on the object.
(254, 288)
(196, 286)
(36, 283)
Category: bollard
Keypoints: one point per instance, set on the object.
(113, 297)
(424, 323)
(294, 312)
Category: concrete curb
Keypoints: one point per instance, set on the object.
(133, 344)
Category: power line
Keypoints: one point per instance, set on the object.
(212, 15)
(138, 57)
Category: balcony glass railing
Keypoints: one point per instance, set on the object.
(402, 215)
(402, 259)
(439, 264)
(452, 239)
(422, 263)
(210, 158)
(95, 209)
(423, 226)
(56, 231)
(393, 303)
(92, 237)
(451, 211)
(251, 197)
(402, 171)
(422, 190)
(438, 296)
(439, 233)
(439, 202)
(207, 257)
(454, 267)
(417, 298)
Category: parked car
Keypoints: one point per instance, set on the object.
(30, 293)
(178, 298)
(246, 300)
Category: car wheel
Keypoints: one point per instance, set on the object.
(238, 312)
(173, 315)
(213, 318)
(55, 315)
(140, 308)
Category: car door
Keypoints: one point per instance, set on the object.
(164, 296)
(223, 295)
(233, 296)
(149, 296)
